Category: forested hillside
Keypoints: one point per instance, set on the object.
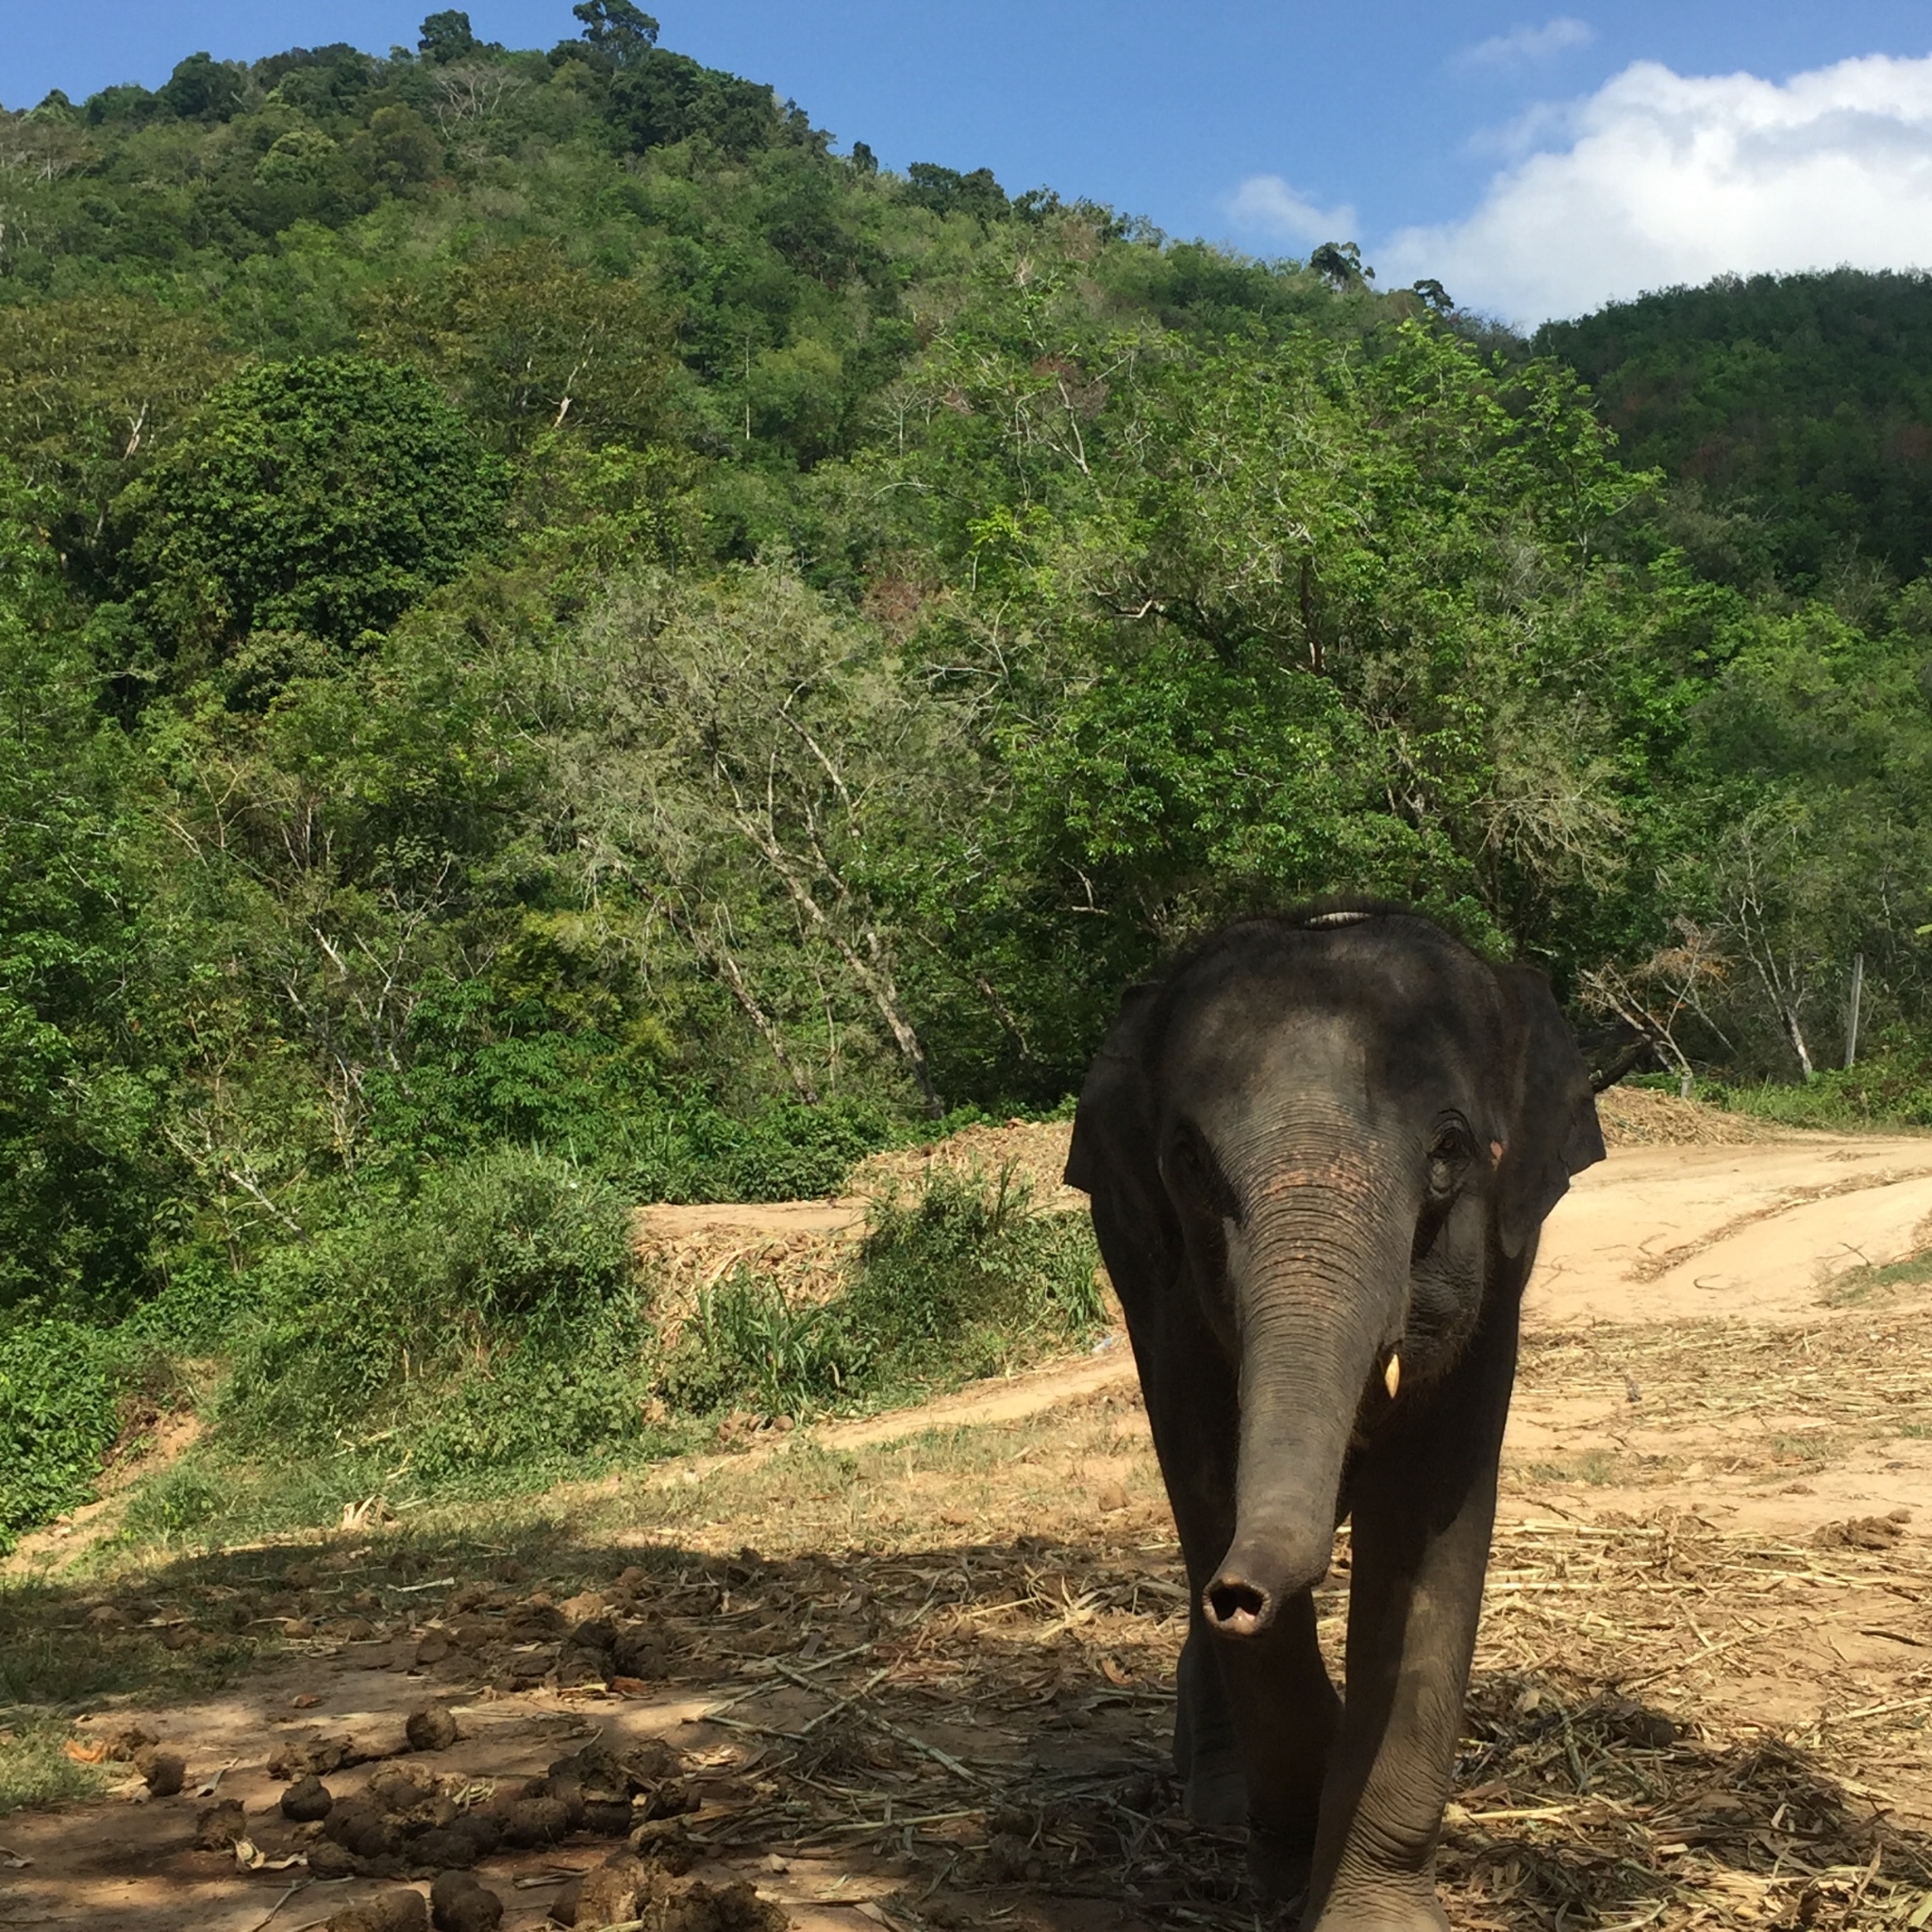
(564, 644)
(1797, 408)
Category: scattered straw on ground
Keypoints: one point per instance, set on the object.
(940, 1683)
(1640, 1117)
(1035, 1151)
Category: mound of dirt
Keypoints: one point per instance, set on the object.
(1035, 1151)
(803, 1247)
(1640, 1117)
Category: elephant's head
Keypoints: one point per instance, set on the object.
(1358, 1126)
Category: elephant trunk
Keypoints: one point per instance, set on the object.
(1321, 1301)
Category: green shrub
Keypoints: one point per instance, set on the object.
(175, 1503)
(58, 1416)
(497, 1315)
(746, 1345)
(487, 1070)
(966, 1278)
(789, 1151)
(1892, 1089)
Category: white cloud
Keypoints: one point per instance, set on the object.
(1527, 46)
(1668, 178)
(1266, 205)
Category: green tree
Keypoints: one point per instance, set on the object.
(760, 770)
(91, 389)
(622, 33)
(204, 89)
(946, 192)
(325, 496)
(1796, 408)
(80, 1189)
(448, 36)
(530, 341)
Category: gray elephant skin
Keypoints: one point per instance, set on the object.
(1319, 1153)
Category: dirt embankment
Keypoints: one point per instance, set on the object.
(802, 1246)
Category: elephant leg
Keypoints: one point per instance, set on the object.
(1256, 1717)
(1285, 1715)
(1424, 1505)
(1207, 1751)
(1197, 1463)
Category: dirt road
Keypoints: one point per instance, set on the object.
(937, 1692)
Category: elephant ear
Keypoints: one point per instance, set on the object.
(1113, 1161)
(1548, 1105)
(1113, 1128)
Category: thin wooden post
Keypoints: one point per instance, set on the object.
(1852, 1012)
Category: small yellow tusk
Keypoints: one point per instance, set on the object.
(1391, 1375)
(1495, 1153)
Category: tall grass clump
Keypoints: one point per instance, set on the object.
(59, 1385)
(965, 1277)
(968, 1277)
(496, 1318)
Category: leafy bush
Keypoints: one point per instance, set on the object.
(748, 1345)
(497, 1316)
(487, 1070)
(58, 1417)
(1892, 1089)
(789, 1151)
(966, 1278)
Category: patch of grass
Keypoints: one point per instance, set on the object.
(965, 1278)
(1596, 1467)
(211, 1499)
(36, 1771)
(494, 1337)
(748, 1345)
(1859, 1285)
(1892, 1088)
(968, 1278)
(57, 1415)
(51, 1659)
(496, 1320)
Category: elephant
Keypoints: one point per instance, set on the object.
(1319, 1153)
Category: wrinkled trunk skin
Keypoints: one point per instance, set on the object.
(1319, 1277)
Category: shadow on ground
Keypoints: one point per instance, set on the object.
(954, 1734)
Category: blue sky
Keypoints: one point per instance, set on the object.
(1536, 159)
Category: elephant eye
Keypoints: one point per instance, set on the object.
(1450, 1152)
(1193, 1164)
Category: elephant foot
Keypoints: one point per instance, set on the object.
(1279, 1863)
(1216, 1793)
(1399, 1908)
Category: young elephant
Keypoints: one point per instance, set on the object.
(1319, 1154)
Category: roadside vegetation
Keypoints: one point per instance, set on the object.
(568, 640)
